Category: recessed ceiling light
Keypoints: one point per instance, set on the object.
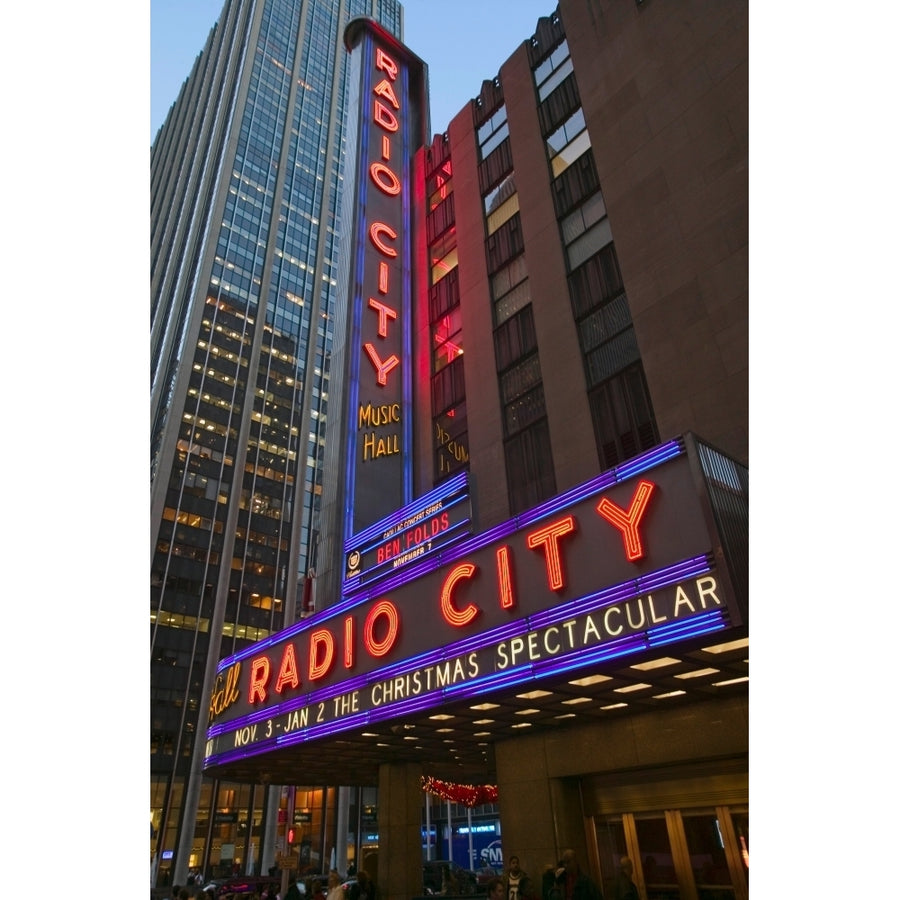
(614, 706)
(697, 673)
(565, 716)
(482, 734)
(369, 734)
(731, 645)
(575, 700)
(670, 694)
(440, 716)
(526, 712)
(484, 721)
(533, 695)
(656, 663)
(591, 679)
(522, 725)
(444, 730)
(486, 706)
(632, 687)
(731, 681)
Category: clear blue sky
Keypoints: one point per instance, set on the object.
(466, 55)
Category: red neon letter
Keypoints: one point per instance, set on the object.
(377, 229)
(384, 313)
(627, 522)
(259, 675)
(451, 614)
(348, 642)
(384, 89)
(287, 674)
(504, 579)
(384, 117)
(549, 536)
(384, 178)
(389, 611)
(321, 653)
(385, 63)
(382, 278)
(381, 368)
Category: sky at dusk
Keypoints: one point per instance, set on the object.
(467, 55)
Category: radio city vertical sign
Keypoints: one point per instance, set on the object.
(389, 96)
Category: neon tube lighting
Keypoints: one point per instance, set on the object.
(446, 555)
(453, 485)
(555, 615)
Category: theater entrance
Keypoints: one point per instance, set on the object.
(682, 854)
(685, 827)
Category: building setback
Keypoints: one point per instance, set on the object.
(245, 219)
(577, 636)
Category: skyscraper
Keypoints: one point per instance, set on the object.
(245, 183)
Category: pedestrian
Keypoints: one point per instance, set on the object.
(365, 886)
(626, 889)
(572, 882)
(513, 878)
(335, 892)
(527, 890)
(293, 891)
(495, 888)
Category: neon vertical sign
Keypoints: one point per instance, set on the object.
(379, 427)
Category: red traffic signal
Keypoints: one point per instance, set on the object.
(291, 834)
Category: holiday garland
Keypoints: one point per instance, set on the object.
(468, 794)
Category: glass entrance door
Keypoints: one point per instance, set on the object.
(687, 854)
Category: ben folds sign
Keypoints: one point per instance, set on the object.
(622, 563)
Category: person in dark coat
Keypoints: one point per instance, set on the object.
(293, 891)
(572, 882)
(626, 889)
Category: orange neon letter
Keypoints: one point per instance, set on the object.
(376, 230)
(384, 117)
(384, 178)
(382, 609)
(451, 614)
(259, 675)
(348, 642)
(548, 537)
(385, 63)
(382, 368)
(321, 653)
(384, 313)
(504, 579)
(287, 673)
(384, 89)
(627, 522)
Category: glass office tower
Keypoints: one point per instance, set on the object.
(245, 182)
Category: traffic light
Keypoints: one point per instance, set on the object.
(291, 834)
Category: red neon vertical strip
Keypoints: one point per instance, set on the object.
(504, 579)
(348, 642)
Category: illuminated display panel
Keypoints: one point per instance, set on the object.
(435, 520)
(557, 589)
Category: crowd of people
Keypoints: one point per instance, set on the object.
(363, 888)
(563, 881)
